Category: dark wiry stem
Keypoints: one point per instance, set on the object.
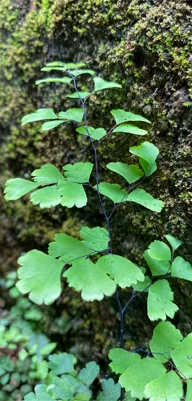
(107, 218)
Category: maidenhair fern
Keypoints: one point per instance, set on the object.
(160, 370)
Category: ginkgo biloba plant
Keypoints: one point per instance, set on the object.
(162, 369)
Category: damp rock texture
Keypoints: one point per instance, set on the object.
(146, 46)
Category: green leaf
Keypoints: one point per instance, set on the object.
(160, 251)
(39, 115)
(62, 389)
(128, 397)
(75, 65)
(48, 348)
(122, 116)
(146, 151)
(87, 277)
(181, 269)
(101, 84)
(47, 174)
(111, 391)
(189, 391)
(67, 248)
(39, 275)
(76, 73)
(138, 375)
(131, 172)
(159, 303)
(51, 124)
(61, 363)
(174, 242)
(72, 194)
(82, 397)
(165, 339)
(59, 66)
(122, 360)
(75, 95)
(89, 374)
(42, 370)
(121, 270)
(40, 394)
(130, 129)
(17, 187)
(55, 64)
(182, 357)
(112, 191)
(148, 168)
(95, 238)
(78, 172)
(145, 199)
(157, 267)
(141, 286)
(64, 80)
(46, 197)
(165, 388)
(95, 133)
(73, 114)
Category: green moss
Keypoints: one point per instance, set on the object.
(146, 47)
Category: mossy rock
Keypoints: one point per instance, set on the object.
(145, 45)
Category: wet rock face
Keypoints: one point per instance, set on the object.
(143, 44)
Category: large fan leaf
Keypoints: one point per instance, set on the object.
(39, 275)
(95, 238)
(138, 375)
(64, 80)
(165, 339)
(101, 84)
(130, 129)
(165, 388)
(174, 242)
(189, 391)
(67, 248)
(160, 251)
(78, 172)
(122, 360)
(72, 114)
(94, 133)
(157, 267)
(131, 172)
(39, 395)
(89, 374)
(87, 277)
(39, 115)
(147, 151)
(111, 391)
(182, 356)
(112, 191)
(61, 363)
(75, 95)
(46, 197)
(51, 125)
(76, 73)
(15, 188)
(60, 66)
(145, 199)
(181, 269)
(121, 270)
(122, 116)
(47, 174)
(62, 389)
(148, 168)
(73, 194)
(159, 303)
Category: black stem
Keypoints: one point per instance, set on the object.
(107, 219)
